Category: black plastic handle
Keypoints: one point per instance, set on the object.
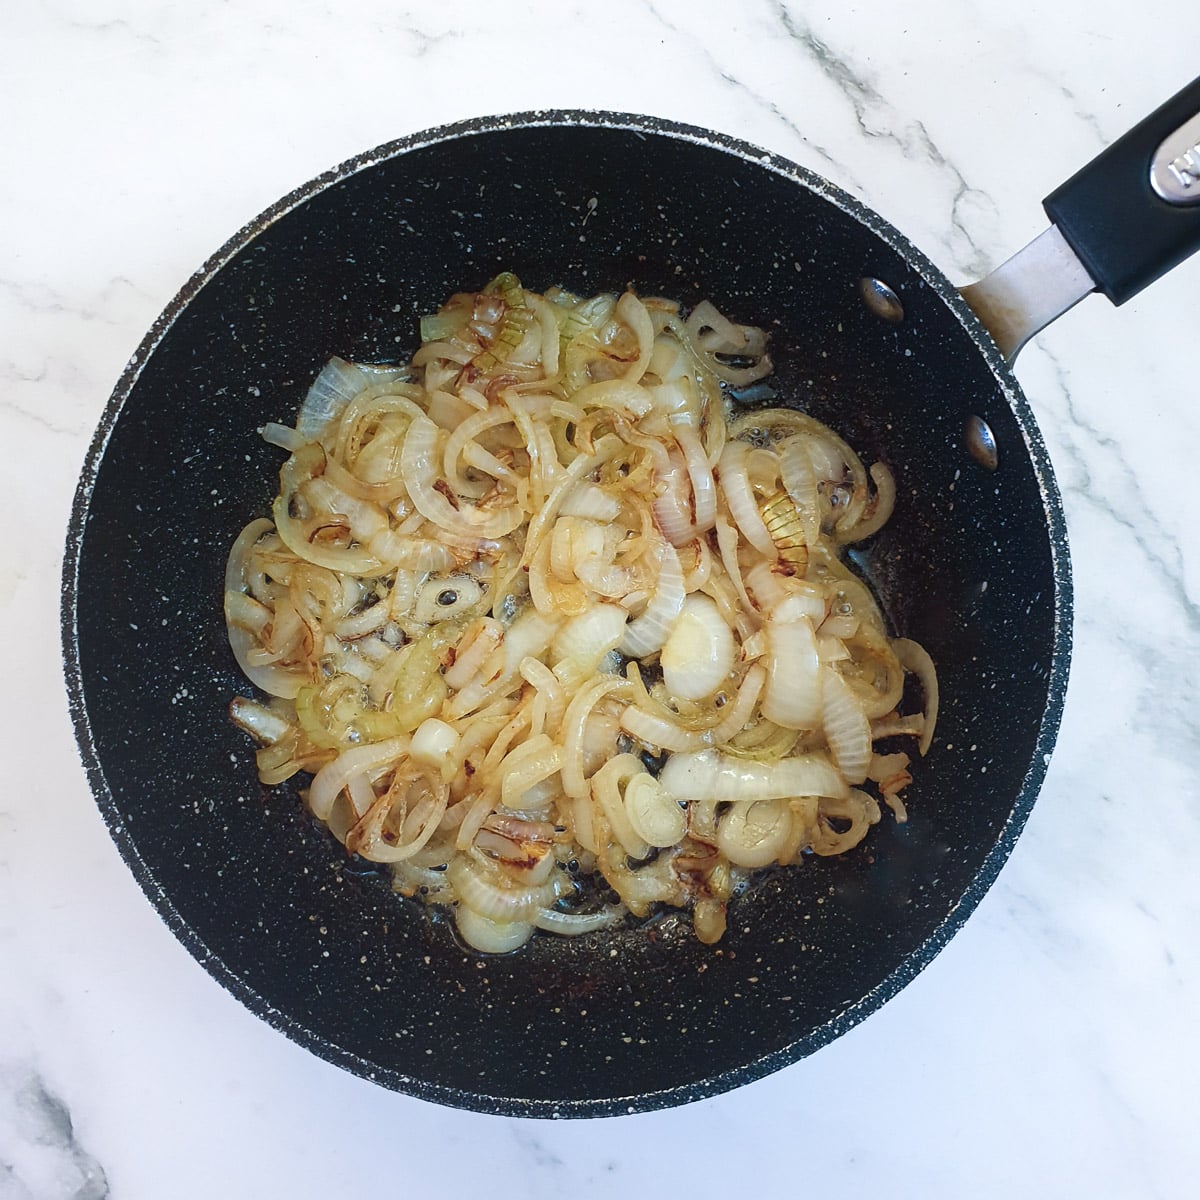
(1124, 233)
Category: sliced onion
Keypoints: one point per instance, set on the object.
(802, 601)
(581, 644)
(395, 551)
(655, 730)
(553, 920)
(831, 649)
(365, 518)
(574, 722)
(859, 808)
(800, 480)
(432, 351)
(599, 740)
(303, 468)
(282, 436)
(447, 410)
(714, 334)
(894, 725)
(608, 786)
(542, 454)
(490, 937)
(739, 497)
(274, 680)
(464, 434)
(710, 329)
(633, 313)
(847, 730)
(338, 383)
(765, 585)
(591, 502)
(530, 634)
(242, 609)
(653, 812)
(447, 598)
(792, 697)
(875, 673)
(711, 775)
(526, 862)
(646, 633)
(621, 394)
(612, 580)
(915, 658)
(369, 836)
(879, 511)
(742, 708)
(704, 488)
(418, 461)
(433, 742)
(670, 506)
(334, 776)
(479, 642)
(531, 763)
(258, 720)
(698, 574)
(365, 622)
(699, 651)
(753, 835)
(492, 897)
(551, 701)
(709, 920)
(727, 543)
(548, 326)
(574, 541)
(543, 520)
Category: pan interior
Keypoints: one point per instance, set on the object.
(268, 902)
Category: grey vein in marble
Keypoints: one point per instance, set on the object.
(878, 119)
(1170, 570)
(532, 1146)
(757, 98)
(40, 1156)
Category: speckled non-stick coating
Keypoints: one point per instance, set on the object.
(973, 565)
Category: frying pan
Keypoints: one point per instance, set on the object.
(867, 334)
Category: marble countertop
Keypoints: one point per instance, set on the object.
(1052, 1048)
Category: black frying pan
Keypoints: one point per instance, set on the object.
(973, 565)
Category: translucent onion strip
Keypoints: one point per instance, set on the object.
(711, 775)
(846, 727)
(754, 835)
(275, 680)
(633, 312)
(699, 651)
(578, 711)
(879, 511)
(743, 508)
(646, 634)
(418, 462)
(742, 708)
(793, 693)
(914, 657)
(704, 488)
(331, 779)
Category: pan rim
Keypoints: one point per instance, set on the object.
(765, 1064)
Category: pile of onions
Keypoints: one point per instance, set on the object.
(508, 581)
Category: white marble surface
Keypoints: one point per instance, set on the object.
(1052, 1049)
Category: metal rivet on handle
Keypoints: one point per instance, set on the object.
(881, 300)
(981, 442)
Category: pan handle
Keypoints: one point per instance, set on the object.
(1134, 211)
(1126, 218)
